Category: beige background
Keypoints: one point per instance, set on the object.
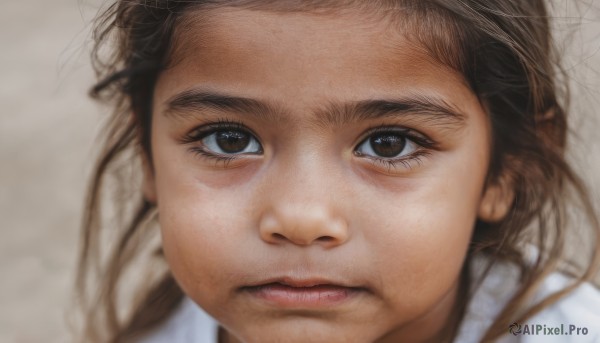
(47, 130)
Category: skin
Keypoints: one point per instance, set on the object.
(307, 205)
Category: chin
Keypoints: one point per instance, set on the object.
(302, 330)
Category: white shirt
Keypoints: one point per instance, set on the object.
(581, 308)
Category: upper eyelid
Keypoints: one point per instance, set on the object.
(206, 129)
(412, 134)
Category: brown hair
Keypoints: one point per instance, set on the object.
(504, 50)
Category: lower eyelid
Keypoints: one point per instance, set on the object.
(217, 160)
(399, 165)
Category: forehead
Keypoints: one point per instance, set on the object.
(305, 58)
(333, 41)
(428, 24)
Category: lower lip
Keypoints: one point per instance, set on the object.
(303, 297)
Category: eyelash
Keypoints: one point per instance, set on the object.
(425, 145)
(424, 149)
(410, 162)
(201, 132)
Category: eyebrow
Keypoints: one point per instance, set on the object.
(433, 109)
(194, 100)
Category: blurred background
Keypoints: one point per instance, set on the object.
(47, 130)
(47, 134)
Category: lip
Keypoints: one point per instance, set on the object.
(293, 293)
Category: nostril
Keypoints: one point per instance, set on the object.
(284, 227)
(278, 236)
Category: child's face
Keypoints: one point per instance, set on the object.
(296, 149)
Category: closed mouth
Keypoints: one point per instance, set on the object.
(291, 293)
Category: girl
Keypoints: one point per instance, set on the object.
(335, 171)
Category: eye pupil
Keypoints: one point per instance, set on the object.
(232, 141)
(387, 144)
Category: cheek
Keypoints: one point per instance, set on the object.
(204, 242)
(424, 230)
(201, 226)
(192, 232)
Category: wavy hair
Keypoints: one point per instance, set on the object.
(503, 48)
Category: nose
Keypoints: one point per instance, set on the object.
(304, 197)
(303, 224)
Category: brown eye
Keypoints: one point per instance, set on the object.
(387, 145)
(231, 142)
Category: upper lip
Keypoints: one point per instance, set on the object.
(302, 282)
